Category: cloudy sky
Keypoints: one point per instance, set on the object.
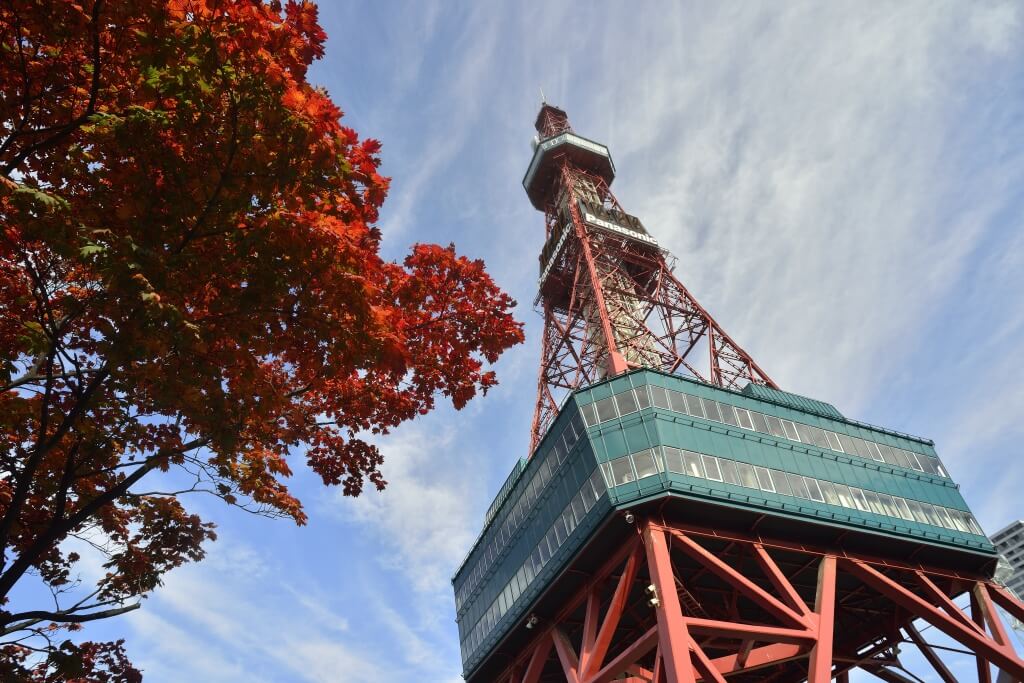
(843, 186)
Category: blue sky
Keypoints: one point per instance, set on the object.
(843, 186)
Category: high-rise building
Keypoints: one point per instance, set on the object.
(1009, 541)
(680, 517)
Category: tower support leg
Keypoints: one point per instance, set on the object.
(673, 638)
(820, 668)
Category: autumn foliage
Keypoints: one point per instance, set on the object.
(192, 296)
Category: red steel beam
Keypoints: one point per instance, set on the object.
(566, 655)
(1002, 656)
(988, 611)
(732, 629)
(541, 650)
(673, 637)
(940, 667)
(820, 667)
(603, 640)
(759, 657)
(640, 647)
(779, 580)
(768, 602)
(590, 619)
(1008, 602)
(938, 596)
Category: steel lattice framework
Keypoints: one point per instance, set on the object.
(681, 604)
(607, 292)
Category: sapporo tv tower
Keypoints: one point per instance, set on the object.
(680, 518)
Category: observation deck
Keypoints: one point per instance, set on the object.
(548, 156)
(757, 461)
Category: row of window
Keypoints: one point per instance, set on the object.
(650, 462)
(561, 529)
(687, 404)
(507, 524)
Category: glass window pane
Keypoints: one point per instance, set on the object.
(759, 423)
(911, 458)
(622, 471)
(833, 441)
(711, 410)
(597, 482)
(860, 500)
(646, 466)
(569, 519)
(747, 476)
(609, 476)
(744, 418)
(781, 482)
(674, 460)
(589, 414)
(874, 453)
(728, 414)
(764, 479)
(559, 450)
(886, 455)
(711, 467)
(829, 491)
(799, 486)
(847, 442)
(643, 399)
(915, 509)
(605, 409)
(775, 426)
(860, 448)
(975, 527)
(947, 521)
(889, 455)
(790, 428)
(558, 527)
(928, 463)
(958, 520)
(889, 505)
(626, 402)
(729, 474)
(804, 432)
(845, 496)
(874, 503)
(579, 510)
(930, 512)
(660, 397)
(901, 507)
(588, 496)
(818, 437)
(692, 464)
(678, 401)
(901, 458)
(812, 488)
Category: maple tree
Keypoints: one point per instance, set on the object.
(192, 293)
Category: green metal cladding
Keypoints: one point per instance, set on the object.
(653, 426)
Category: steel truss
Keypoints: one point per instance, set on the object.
(678, 604)
(611, 303)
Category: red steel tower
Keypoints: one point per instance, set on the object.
(609, 297)
(682, 519)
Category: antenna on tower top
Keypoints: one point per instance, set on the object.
(543, 100)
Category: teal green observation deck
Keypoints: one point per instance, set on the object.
(765, 459)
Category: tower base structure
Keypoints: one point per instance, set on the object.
(681, 603)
